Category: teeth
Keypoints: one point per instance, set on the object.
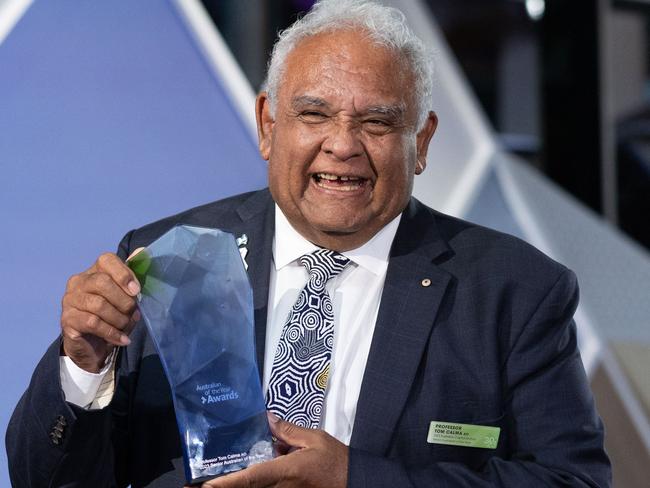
(351, 183)
(340, 188)
(331, 177)
(327, 176)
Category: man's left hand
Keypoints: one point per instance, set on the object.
(315, 459)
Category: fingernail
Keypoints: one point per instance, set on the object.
(273, 418)
(133, 287)
(124, 339)
(136, 316)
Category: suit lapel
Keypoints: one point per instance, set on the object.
(258, 224)
(406, 317)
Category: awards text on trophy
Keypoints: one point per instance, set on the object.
(197, 303)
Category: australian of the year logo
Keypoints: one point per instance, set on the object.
(216, 393)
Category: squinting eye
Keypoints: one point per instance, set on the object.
(377, 126)
(312, 115)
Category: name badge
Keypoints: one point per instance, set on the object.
(467, 435)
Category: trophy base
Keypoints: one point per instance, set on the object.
(229, 449)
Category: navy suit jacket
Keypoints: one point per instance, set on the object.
(490, 341)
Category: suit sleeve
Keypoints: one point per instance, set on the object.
(555, 434)
(51, 442)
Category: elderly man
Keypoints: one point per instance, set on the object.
(434, 319)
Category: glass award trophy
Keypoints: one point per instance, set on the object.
(197, 303)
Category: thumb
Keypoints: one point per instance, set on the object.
(291, 434)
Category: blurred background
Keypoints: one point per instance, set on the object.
(565, 85)
(113, 114)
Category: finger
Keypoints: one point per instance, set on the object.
(280, 447)
(100, 306)
(292, 434)
(135, 318)
(110, 264)
(102, 284)
(77, 323)
(260, 475)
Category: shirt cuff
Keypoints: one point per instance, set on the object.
(79, 386)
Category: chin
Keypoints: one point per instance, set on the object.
(337, 227)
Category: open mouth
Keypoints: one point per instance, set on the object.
(341, 183)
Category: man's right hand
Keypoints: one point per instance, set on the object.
(99, 311)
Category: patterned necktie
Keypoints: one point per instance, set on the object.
(302, 359)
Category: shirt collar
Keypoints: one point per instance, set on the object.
(289, 245)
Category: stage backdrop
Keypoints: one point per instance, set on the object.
(110, 117)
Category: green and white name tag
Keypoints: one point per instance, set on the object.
(466, 435)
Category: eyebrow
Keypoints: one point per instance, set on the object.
(394, 112)
(303, 100)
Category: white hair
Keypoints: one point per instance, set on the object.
(385, 25)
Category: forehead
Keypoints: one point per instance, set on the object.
(346, 63)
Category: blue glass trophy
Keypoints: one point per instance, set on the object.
(197, 303)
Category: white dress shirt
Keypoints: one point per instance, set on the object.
(355, 292)
(355, 295)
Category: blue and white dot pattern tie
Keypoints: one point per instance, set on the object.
(302, 359)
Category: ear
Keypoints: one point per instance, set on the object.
(423, 139)
(264, 124)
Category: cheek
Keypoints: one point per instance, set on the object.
(287, 175)
(295, 142)
(395, 175)
(395, 162)
(409, 160)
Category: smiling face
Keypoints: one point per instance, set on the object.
(343, 146)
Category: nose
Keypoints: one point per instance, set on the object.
(342, 142)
